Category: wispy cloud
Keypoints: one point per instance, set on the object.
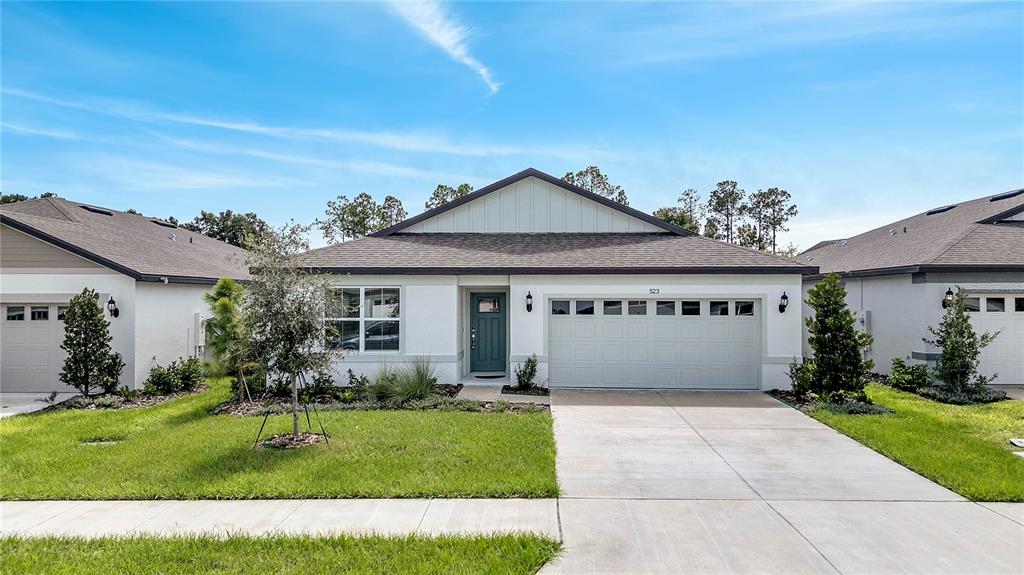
(133, 174)
(36, 131)
(433, 20)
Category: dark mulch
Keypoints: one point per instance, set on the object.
(115, 401)
(533, 390)
(447, 389)
(807, 404)
(289, 441)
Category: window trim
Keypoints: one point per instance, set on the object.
(665, 302)
(7, 313)
(362, 319)
(32, 309)
(1000, 299)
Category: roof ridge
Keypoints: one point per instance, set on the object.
(752, 250)
(952, 243)
(57, 206)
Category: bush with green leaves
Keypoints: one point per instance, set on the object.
(960, 346)
(321, 386)
(906, 377)
(189, 371)
(526, 372)
(179, 375)
(90, 363)
(838, 365)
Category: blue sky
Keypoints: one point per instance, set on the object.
(865, 112)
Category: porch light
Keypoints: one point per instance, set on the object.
(783, 303)
(112, 307)
(529, 301)
(948, 299)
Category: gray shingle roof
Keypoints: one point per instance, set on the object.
(130, 243)
(554, 253)
(967, 235)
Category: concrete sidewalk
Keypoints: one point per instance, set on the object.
(259, 517)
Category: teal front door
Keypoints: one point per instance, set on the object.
(487, 316)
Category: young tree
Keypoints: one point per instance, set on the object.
(345, 220)
(777, 210)
(236, 229)
(592, 180)
(957, 366)
(837, 347)
(90, 363)
(224, 331)
(390, 213)
(444, 194)
(283, 310)
(724, 206)
(790, 251)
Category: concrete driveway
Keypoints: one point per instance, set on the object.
(13, 403)
(734, 482)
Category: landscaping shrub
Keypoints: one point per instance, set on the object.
(90, 363)
(400, 386)
(836, 371)
(803, 375)
(526, 372)
(852, 408)
(956, 369)
(161, 381)
(189, 372)
(321, 386)
(946, 395)
(278, 386)
(907, 377)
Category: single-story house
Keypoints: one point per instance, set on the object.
(604, 295)
(150, 271)
(897, 277)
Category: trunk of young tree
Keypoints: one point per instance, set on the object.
(295, 405)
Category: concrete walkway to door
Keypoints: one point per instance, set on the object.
(736, 482)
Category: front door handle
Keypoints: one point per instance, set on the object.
(472, 339)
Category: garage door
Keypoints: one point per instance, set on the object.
(697, 344)
(1003, 313)
(30, 342)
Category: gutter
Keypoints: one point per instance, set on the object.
(922, 268)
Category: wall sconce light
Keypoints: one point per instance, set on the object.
(112, 307)
(948, 299)
(783, 303)
(529, 301)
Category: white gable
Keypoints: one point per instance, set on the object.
(531, 205)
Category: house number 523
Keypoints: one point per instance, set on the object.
(655, 291)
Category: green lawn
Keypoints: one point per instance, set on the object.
(509, 554)
(176, 450)
(964, 448)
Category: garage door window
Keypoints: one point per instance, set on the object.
(690, 307)
(613, 307)
(637, 307)
(40, 313)
(995, 304)
(972, 303)
(719, 308)
(744, 308)
(15, 313)
(666, 308)
(1018, 304)
(584, 307)
(61, 310)
(559, 307)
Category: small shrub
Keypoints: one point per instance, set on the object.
(851, 408)
(189, 372)
(803, 376)
(400, 386)
(107, 401)
(957, 365)
(946, 395)
(357, 385)
(526, 372)
(279, 386)
(907, 377)
(127, 393)
(161, 381)
(500, 406)
(322, 387)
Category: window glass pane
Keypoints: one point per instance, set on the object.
(344, 302)
(559, 307)
(585, 307)
(1018, 304)
(15, 313)
(637, 307)
(61, 310)
(613, 307)
(381, 302)
(488, 305)
(40, 312)
(691, 307)
(342, 335)
(381, 336)
(995, 304)
(972, 303)
(719, 308)
(744, 308)
(666, 308)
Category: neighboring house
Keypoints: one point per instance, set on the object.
(897, 276)
(604, 295)
(154, 273)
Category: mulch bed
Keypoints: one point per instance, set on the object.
(447, 389)
(789, 397)
(289, 441)
(99, 401)
(534, 390)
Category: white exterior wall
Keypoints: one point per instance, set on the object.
(433, 315)
(531, 205)
(165, 330)
(61, 282)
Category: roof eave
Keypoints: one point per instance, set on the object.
(923, 268)
(456, 270)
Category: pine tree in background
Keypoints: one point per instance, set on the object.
(90, 363)
(838, 348)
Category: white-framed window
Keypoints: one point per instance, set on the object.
(15, 313)
(364, 319)
(39, 313)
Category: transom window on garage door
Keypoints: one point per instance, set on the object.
(363, 319)
(653, 308)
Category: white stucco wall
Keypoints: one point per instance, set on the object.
(165, 328)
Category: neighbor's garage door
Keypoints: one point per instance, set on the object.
(698, 344)
(1004, 356)
(30, 342)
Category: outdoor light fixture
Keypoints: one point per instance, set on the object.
(783, 303)
(529, 301)
(948, 299)
(112, 307)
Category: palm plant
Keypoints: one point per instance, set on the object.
(224, 335)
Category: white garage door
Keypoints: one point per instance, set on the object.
(697, 344)
(1004, 356)
(30, 339)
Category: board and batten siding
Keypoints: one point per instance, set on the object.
(531, 205)
(20, 250)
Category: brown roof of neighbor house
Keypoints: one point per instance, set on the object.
(544, 253)
(982, 234)
(138, 246)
